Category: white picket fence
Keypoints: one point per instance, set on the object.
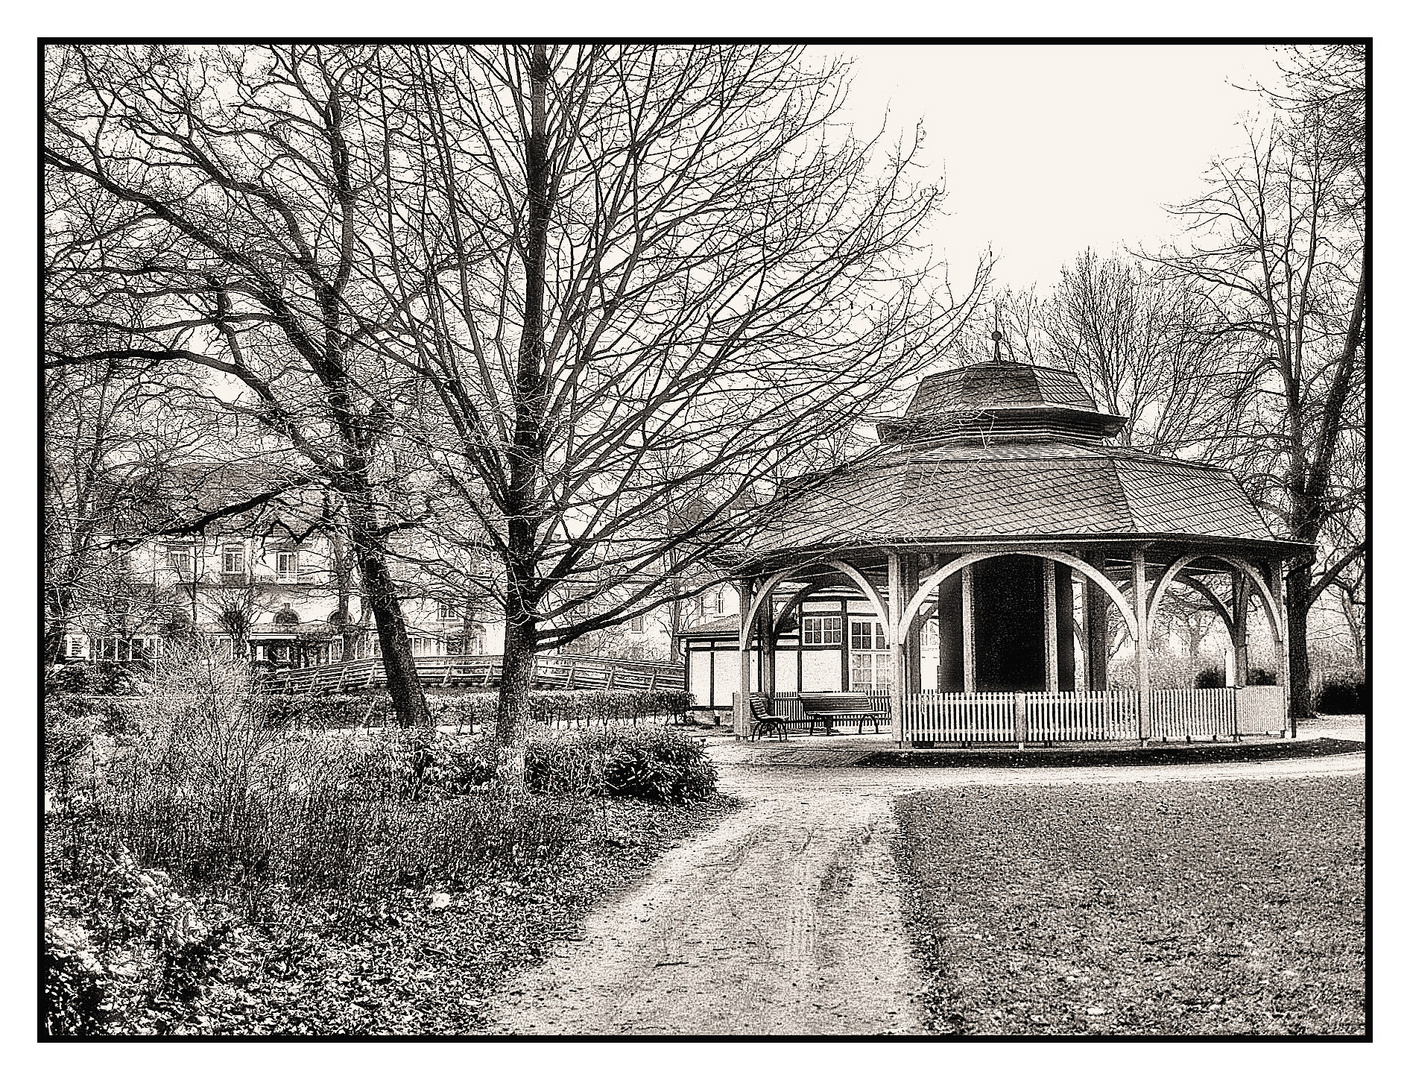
(1068, 717)
(931, 716)
(1081, 717)
(1194, 714)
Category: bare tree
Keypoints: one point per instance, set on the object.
(1279, 240)
(652, 279)
(1141, 340)
(234, 182)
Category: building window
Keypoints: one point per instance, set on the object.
(112, 649)
(870, 659)
(286, 566)
(710, 604)
(638, 624)
(179, 560)
(232, 559)
(871, 671)
(77, 647)
(447, 611)
(822, 630)
(425, 646)
(868, 635)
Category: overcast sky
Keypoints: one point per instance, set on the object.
(1048, 149)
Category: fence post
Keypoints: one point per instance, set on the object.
(1020, 719)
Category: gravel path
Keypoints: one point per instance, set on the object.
(786, 919)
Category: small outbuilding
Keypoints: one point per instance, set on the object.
(964, 575)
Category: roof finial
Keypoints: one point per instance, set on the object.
(997, 335)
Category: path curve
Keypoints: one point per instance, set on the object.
(785, 918)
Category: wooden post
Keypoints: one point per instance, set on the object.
(1050, 625)
(1095, 623)
(1143, 658)
(1280, 607)
(1240, 618)
(895, 605)
(745, 587)
(967, 625)
(1020, 719)
(910, 582)
(768, 673)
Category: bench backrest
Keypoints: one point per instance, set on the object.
(833, 701)
(759, 705)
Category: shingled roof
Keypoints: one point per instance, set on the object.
(998, 401)
(1007, 491)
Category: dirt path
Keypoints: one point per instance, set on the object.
(786, 918)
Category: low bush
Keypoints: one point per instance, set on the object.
(475, 711)
(656, 764)
(652, 763)
(96, 677)
(117, 715)
(1210, 678)
(1258, 676)
(126, 949)
(329, 711)
(1343, 696)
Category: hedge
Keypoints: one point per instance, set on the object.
(476, 711)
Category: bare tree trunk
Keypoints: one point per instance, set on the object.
(1299, 668)
(379, 591)
(516, 682)
(527, 452)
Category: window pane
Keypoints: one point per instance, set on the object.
(832, 630)
(862, 672)
(861, 635)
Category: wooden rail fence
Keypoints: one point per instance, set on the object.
(550, 673)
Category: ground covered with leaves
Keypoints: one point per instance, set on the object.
(212, 867)
(1211, 908)
(419, 961)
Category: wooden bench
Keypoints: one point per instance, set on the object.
(762, 722)
(830, 707)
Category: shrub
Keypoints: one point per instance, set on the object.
(1210, 678)
(124, 947)
(329, 711)
(117, 715)
(652, 763)
(1342, 696)
(1261, 677)
(475, 711)
(96, 677)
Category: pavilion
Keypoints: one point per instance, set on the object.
(966, 527)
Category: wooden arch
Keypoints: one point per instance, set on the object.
(1270, 602)
(746, 628)
(1086, 569)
